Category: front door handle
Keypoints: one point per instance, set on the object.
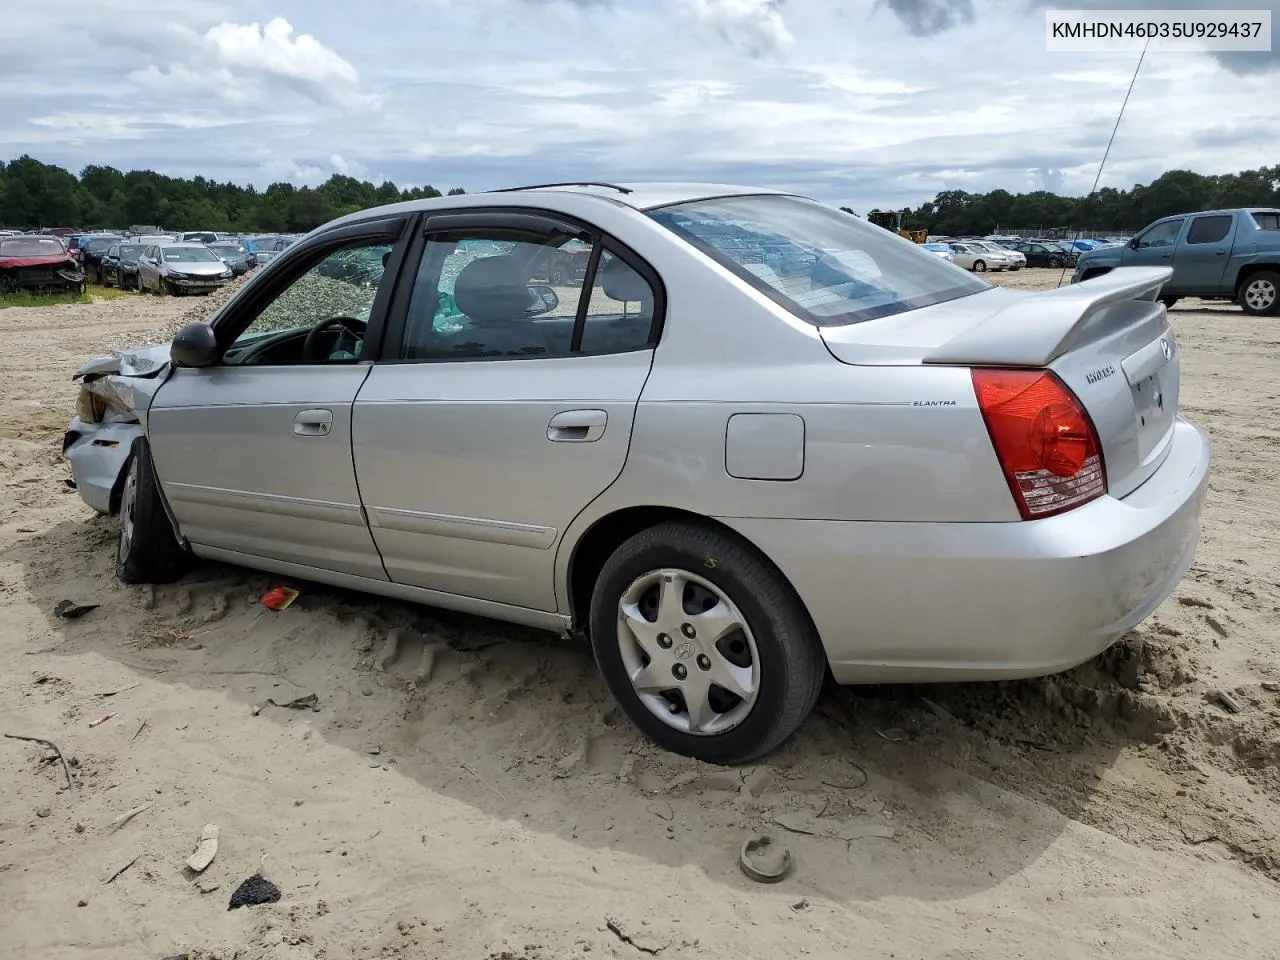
(577, 426)
(313, 423)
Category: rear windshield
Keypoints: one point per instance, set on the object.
(188, 254)
(227, 249)
(31, 247)
(825, 266)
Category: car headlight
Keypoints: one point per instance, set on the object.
(225, 273)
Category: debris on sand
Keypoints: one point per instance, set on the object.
(206, 849)
(764, 860)
(254, 891)
(70, 610)
(1227, 701)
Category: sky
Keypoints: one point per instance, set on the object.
(856, 102)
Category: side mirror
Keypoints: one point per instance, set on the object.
(1133, 244)
(195, 346)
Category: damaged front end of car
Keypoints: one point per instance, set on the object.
(111, 414)
(40, 276)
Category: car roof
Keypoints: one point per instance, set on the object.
(647, 195)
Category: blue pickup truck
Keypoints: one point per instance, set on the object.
(1215, 255)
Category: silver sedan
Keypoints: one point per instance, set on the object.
(757, 441)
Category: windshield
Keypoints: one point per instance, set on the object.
(827, 267)
(98, 243)
(131, 251)
(227, 249)
(188, 255)
(937, 247)
(31, 247)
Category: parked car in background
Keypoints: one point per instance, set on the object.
(38, 264)
(660, 455)
(91, 253)
(1040, 254)
(975, 258)
(198, 236)
(1217, 254)
(181, 268)
(235, 255)
(266, 248)
(120, 265)
(1013, 260)
(942, 250)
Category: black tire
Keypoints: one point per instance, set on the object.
(979, 266)
(1055, 262)
(148, 550)
(1255, 306)
(1169, 302)
(556, 277)
(791, 664)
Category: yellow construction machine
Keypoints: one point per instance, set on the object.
(892, 220)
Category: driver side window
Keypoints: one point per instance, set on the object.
(1161, 235)
(321, 316)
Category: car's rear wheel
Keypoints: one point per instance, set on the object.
(1260, 294)
(979, 266)
(704, 644)
(148, 550)
(1169, 302)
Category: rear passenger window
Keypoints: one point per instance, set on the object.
(498, 296)
(1209, 229)
(506, 293)
(620, 312)
(1267, 221)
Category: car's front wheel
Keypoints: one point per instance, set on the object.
(1055, 262)
(148, 550)
(704, 644)
(979, 266)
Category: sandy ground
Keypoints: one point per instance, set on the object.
(501, 808)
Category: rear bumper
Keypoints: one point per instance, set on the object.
(98, 453)
(925, 602)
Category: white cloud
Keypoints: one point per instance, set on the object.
(273, 49)
(756, 26)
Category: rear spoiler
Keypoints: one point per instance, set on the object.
(1037, 330)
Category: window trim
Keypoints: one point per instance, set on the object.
(1229, 217)
(299, 258)
(537, 219)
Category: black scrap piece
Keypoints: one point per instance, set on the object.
(70, 610)
(309, 702)
(254, 891)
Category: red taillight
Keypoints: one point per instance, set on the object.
(1043, 438)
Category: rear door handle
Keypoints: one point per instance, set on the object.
(577, 426)
(313, 423)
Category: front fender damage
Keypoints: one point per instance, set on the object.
(111, 413)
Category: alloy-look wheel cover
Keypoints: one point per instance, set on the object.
(676, 633)
(1260, 294)
(128, 503)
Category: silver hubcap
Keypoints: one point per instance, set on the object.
(688, 652)
(980, 267)
(1260, 294)
(128, 498)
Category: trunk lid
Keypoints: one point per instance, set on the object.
(1108, 339)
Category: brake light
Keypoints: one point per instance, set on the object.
(1043, 438)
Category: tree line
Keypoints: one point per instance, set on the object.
(959, 213)
(35, 194)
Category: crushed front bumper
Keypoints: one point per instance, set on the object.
(98, 453)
